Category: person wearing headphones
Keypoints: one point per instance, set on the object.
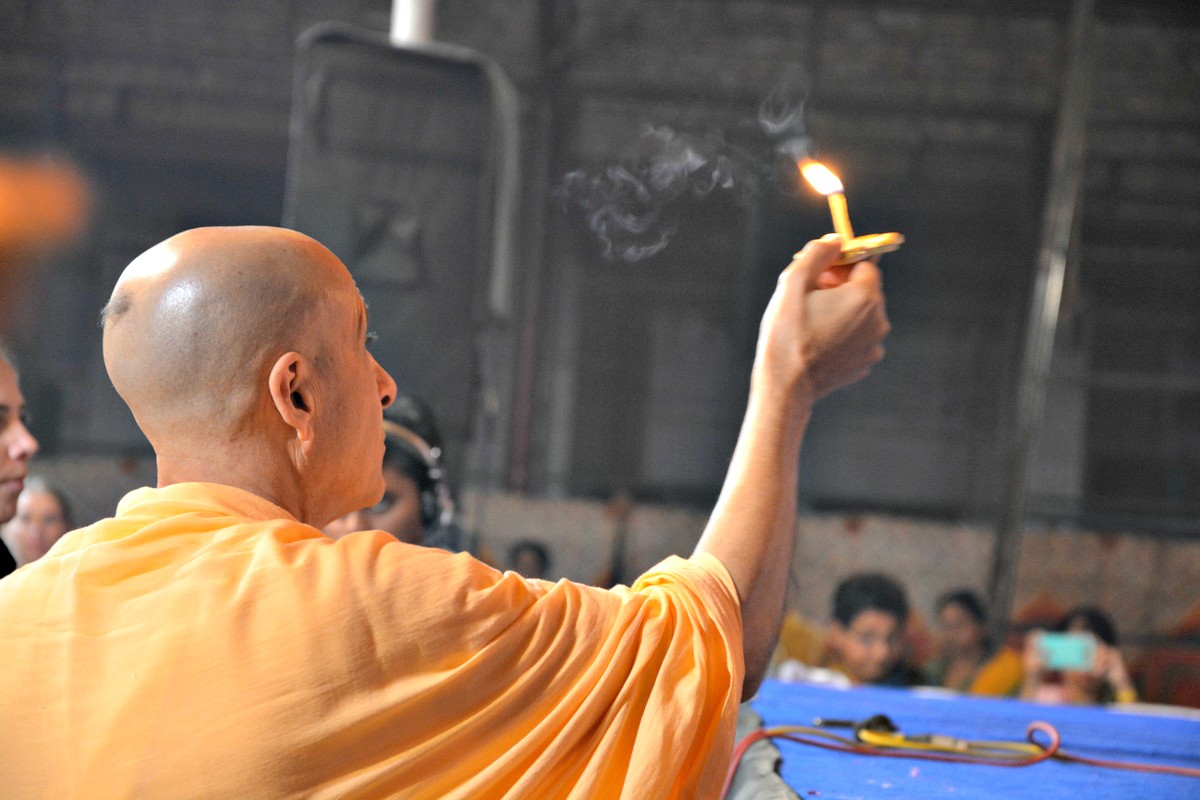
(417, 506)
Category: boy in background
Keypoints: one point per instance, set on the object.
(864, 643)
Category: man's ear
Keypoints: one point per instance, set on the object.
(291, 387)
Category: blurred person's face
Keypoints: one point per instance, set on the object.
(528, 564)
(871, 646)
(37, 525)
(961, 632)
(17, 445)
(397, 513)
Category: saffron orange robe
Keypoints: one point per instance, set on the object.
(204, 643)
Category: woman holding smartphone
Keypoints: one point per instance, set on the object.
(1077, 663)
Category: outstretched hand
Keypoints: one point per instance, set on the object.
(825, 325)
(821, 330)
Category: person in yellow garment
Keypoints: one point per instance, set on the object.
(968, 661)
(210, 641)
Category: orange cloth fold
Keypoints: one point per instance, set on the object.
(204, 643)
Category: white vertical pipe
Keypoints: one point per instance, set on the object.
(412, 22)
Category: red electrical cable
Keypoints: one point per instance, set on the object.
(1048, 751)
(1134, 766)
(738, 752)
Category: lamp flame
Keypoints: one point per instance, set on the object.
(821, 178)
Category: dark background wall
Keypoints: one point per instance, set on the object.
(939, 117)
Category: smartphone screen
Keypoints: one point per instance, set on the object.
(1067, 651)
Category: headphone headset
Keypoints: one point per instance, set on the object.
(437, 506)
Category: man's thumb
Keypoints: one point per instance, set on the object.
(816, 257)
(865, 272)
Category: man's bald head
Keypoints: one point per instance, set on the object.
(195, 322)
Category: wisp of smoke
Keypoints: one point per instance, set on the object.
(634, 206)
(782, 115)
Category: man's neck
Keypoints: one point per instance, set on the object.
(273, 482)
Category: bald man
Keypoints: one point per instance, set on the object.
(209, 640)
(17, 446)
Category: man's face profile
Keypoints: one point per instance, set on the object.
(357, 390)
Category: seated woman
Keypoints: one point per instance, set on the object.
(43, 516)
(1104, 680)
(529, 558)
(969, 662)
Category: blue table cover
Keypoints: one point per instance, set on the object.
(1087, 731)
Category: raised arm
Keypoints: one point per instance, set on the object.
(822, 330)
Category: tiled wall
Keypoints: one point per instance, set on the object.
(941, 114)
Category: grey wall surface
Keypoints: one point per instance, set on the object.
(937, 115)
